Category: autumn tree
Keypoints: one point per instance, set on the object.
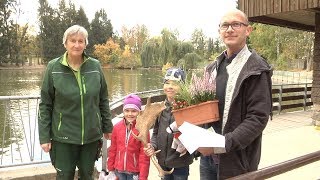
(134, 37)
(127, 59)
(108, 53)
(101, 30)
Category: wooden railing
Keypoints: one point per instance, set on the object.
(291, 97)
(280, 168)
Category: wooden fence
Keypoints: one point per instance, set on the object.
(291, 97)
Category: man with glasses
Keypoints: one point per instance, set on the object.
(243, 88)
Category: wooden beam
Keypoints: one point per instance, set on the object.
(280, 168)
(264, 7)
(241, 5)
(246, 6)
(315, 10)
(294, 5)
(312, 3)
(276, 6)
(269, 6)
(280, 22)
(285, 5)
(251, 10)
(257, 8)
(303, 4)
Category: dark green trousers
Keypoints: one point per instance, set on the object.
(66, 157)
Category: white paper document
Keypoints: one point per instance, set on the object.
(193, 137)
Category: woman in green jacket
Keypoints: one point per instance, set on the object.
(74, 110)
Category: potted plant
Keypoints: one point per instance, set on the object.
(196, 101)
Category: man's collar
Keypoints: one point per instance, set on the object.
(229, 59)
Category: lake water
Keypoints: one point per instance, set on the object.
(120, 82)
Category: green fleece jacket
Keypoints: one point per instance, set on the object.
(74, 106)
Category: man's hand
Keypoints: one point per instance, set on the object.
(46, 147)
(107, 136)
(178, 146)
(206, 151)
(149, 150)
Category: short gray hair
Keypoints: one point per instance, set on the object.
(75, 29)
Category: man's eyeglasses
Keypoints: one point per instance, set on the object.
(234, 25)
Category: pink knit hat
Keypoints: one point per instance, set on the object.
(132, 101)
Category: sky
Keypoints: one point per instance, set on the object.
(183, 15)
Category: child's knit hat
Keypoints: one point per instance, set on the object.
(175, 74)
(132, 101)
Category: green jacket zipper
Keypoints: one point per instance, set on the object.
(60, 121)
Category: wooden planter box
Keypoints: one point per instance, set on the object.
(198, 114)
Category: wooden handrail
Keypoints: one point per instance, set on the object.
(280, 168)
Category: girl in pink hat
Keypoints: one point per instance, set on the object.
(126, 158)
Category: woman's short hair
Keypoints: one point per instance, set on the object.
(75, 29)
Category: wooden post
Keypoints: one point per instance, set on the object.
(315, 95)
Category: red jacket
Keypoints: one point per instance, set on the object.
(128, 157)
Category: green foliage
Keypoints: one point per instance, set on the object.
(190, 60)
(52, 27)
(198, 41)
(183, 98)
(168, 44)
(8, 31)
(82, 19)
(151, 52)
(282, 47)
(184, 48)
(101, 30)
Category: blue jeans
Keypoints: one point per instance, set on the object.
(208, 169)
(126, 176)
(181, 173)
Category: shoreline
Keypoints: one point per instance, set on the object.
(14, 67)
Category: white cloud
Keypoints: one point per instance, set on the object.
(183, 15)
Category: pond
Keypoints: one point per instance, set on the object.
(120, 82)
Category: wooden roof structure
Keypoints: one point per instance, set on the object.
(295, 14)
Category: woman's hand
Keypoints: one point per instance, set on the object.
(46, 147)
(149, 150)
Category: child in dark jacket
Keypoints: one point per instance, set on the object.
(126, 157)
(169, 157)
